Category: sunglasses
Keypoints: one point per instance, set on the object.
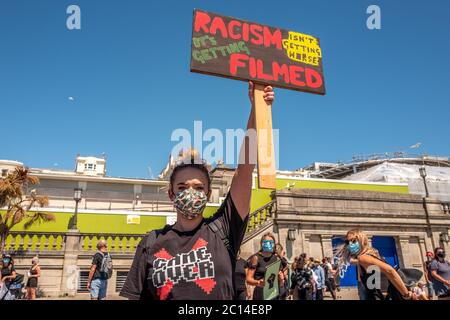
(347, 242)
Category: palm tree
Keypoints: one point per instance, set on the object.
(17, 203)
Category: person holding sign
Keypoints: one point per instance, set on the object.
(260, 262)
(196, 257)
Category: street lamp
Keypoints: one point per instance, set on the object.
(423, 174)
(77, 196)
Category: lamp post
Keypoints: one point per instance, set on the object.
(423, 174)
(77, 196)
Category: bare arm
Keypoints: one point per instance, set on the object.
(10, 277)
(251, 279)
(241, 185)
(367, 261)
(91, 275)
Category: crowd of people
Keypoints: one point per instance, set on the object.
(309, 278)
(306, 278)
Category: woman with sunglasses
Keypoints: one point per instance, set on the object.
(357, 250)
(195, 258)
(440, 271)
(259, 263)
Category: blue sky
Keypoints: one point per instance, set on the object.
(128, 71)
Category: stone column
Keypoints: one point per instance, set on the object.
(305, 244)
(327, 246)
(69, 279)
(111, 289)
(423, 249)
(404, 247)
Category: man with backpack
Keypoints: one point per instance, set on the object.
(100, 272)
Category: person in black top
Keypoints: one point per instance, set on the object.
(33, 275)
(240, 274)
(7, 276)
(97, 282)
(302, 280)
(8, 272)
(196, 257)
(259, 263)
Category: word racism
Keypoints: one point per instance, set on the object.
(241, 50)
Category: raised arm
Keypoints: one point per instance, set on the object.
(241, 185)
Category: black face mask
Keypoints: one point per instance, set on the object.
(441, 255)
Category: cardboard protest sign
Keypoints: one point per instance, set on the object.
(242, 50)
(271, 288)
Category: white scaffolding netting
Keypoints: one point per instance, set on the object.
(438, 178)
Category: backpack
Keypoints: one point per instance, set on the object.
(106, 268)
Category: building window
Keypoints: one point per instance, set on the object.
(82, 282)
(4, 172)
(120, 279)
(90, 166)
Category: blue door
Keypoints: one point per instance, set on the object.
(386, 248)
(350, 278)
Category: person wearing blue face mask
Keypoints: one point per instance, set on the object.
(7, 274)
(259, 263)
(357, 251)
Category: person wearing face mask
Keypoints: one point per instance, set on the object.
(358, 251)
(440, 271)
(196, 257)
(259, 263)
(7, 275)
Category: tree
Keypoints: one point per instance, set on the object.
(17, 203)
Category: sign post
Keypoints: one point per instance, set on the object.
(265, 152)
(242, 50)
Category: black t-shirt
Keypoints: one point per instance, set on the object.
(7, 271)
(240, 274)
(259, 262)
(97, 261)
(192, 265)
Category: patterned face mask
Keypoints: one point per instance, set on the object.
(190, 203)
